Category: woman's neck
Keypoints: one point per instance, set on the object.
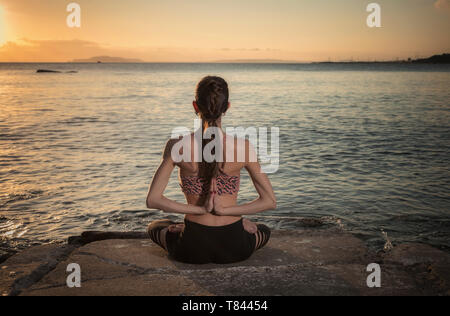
(219, 124)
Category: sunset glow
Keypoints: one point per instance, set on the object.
(2, 27)
(198, 30)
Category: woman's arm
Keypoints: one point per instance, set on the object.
(266, 201)
(156, 198)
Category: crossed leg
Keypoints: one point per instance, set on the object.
(157, 231)
(262, 236)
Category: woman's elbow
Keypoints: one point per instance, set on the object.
(274, 202)
(152, 203)
(271, 204)
(149, 204)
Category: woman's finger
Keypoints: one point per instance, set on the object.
(211, 186)
(211, 202)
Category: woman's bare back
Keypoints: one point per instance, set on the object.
(232, 167)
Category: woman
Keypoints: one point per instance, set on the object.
(214, 230)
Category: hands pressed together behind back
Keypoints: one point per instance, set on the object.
(213, 203)
(214, 206)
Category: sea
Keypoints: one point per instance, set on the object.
(363, 147)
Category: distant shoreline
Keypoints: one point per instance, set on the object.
(436, 59)
(235, 63)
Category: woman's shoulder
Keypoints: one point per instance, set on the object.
(176, 146)
(238, 147)
(243, 148)
(188, 139)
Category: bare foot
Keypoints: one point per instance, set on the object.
(250, 227)
(178, 228)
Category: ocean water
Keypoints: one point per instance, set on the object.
(364, 147)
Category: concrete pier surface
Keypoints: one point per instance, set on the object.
(310, 261)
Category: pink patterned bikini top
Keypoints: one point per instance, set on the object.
(200, 186)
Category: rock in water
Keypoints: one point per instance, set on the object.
(47, 71)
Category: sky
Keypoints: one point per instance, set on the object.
(212, 30)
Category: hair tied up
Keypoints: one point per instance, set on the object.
(212, 96)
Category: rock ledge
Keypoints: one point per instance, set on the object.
(305, 262)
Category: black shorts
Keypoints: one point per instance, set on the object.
(200, 244)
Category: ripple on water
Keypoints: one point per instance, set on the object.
(352, 155)
(10, 198)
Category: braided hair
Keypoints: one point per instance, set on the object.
(212, 100)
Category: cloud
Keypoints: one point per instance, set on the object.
(443, 5)
(27, 50)
(249, 50)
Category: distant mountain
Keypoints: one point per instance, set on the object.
(107, 59)
(256, 61)
(436, 59)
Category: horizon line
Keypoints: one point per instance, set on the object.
(122, 60)
(217, 62)
(221, 61)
